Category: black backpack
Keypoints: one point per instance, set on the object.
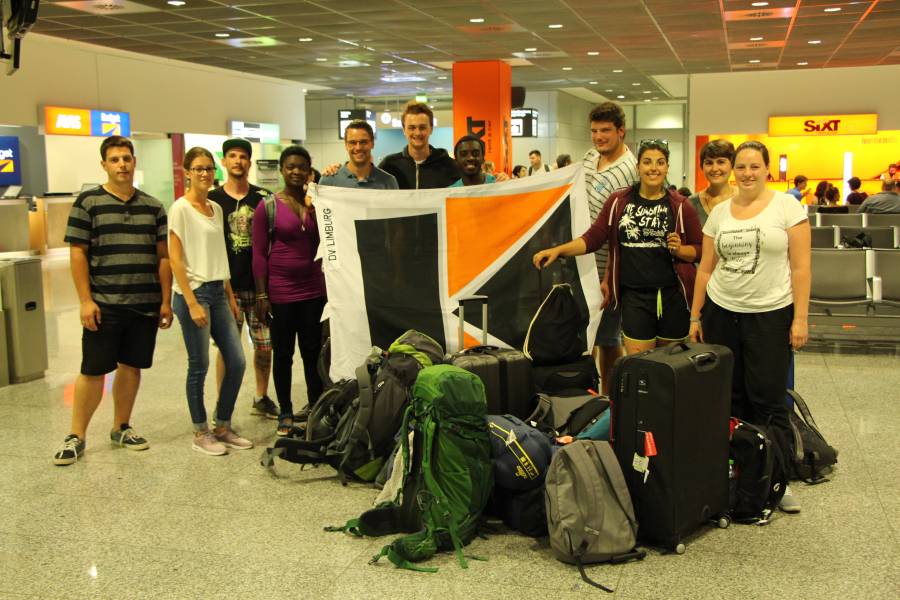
(556, 333)
(567, 415)
(813, 458)
(757, 472)
(356, 435)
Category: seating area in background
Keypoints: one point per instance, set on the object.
(855, 292)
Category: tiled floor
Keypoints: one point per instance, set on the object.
(171, 523)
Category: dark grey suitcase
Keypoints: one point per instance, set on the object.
(505, 372)
(670, 413)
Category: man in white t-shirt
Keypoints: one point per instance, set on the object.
(537, 167)
(608, 166)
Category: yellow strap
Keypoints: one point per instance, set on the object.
(658, 304)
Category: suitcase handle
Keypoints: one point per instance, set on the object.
(705, 361)
(462, 319)
(677, 347)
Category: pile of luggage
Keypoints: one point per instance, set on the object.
(524, 437)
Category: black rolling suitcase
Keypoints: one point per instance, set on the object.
(670, 423)
(505, 372)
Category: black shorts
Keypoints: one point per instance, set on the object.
(123, 337)
(650, 315)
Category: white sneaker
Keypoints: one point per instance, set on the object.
(789, 502)
(232, 440)
(207, 443)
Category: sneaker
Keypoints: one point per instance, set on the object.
(71, 450)
(128, 438)
(789, 502)
(208, 444)
(265, 407)
(302, 416)
(233, 440)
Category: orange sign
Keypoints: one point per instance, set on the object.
(824, 125)
(67, 121)
(482, 103)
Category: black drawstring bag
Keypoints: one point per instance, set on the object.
(556, 333)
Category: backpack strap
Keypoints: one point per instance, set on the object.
(270, 216)
(363, 415)
(541, 410)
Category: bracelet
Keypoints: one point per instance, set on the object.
(262, 296)
(695, 319)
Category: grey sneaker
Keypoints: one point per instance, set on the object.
(789, 502)
(128, 438)
(207, 443)
(265, 407)
(70, 451)
(233, 440)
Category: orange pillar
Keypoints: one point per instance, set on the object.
(482, 103)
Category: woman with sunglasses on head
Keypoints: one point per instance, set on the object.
(716, 159)
(654, 239)
(290, 285)
(204, 303)
(752, 292)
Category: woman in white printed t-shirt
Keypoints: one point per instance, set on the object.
(752, 292)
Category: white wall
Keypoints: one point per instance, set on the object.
(743, 102)
(162, 95)
(322, 131)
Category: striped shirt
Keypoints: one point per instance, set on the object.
(121, 238)
(601, 184)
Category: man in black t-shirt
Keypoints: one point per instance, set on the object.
(238, 199)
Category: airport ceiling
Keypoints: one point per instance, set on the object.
(625, 49)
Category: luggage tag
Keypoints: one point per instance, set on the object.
(641, 464)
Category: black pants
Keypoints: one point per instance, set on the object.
(290, 322)
(762, 353)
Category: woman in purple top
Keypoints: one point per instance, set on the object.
(289, 281)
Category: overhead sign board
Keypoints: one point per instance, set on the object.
(347, 116)
(265, 133)
(524, 122)
(864, 124)
(10, 161)
(59, 120)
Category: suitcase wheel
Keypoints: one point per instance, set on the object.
(723, 522)
(679, 549)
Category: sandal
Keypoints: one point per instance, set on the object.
(284, 426)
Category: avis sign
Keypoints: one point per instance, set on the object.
(10, 161)
(865, 124)
(60, 120)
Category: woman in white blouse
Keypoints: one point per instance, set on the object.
(752, 292)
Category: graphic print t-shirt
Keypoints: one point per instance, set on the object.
(753, 273)
(238, 215)
(646, 262)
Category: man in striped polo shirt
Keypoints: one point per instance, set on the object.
(608, 166)
(120, 266)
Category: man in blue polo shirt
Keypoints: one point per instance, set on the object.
(359, 172)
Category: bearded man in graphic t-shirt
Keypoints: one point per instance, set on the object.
(238, 199)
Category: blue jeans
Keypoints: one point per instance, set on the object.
(224, 331)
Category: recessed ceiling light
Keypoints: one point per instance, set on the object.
(176, 2)
(593, 53)
(567, 68)
(759, 4)
(617, 70)
(648, 91)
(555, 26)
(304, 39)
(620, 97)
(647, 100)
(321, 59)
(593, 82)
(476, 20)
(635, 83)
(607, 91)
(222, 35)
(753, 61)
(530, 49)
(442, 77)
(802, 63)
(387, 62)
(758, 38)
(831, 9)
(814, 42)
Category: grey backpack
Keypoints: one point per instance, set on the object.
(589, 512)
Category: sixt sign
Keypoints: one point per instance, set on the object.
(60, 120)
(864, 124)
(10, 163)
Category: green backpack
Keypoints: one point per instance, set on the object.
(447, 483)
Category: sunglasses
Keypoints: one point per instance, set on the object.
(654, 143)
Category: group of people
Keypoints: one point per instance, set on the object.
(730, 265)
(827, 196)
(727, 265)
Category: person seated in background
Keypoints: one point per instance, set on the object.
(488, 167)
(885, 202)
(563, 160)
(800, 190)
(832, 198)
(855, 196)
(519, 171)
(818, 197)
(654, 238)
